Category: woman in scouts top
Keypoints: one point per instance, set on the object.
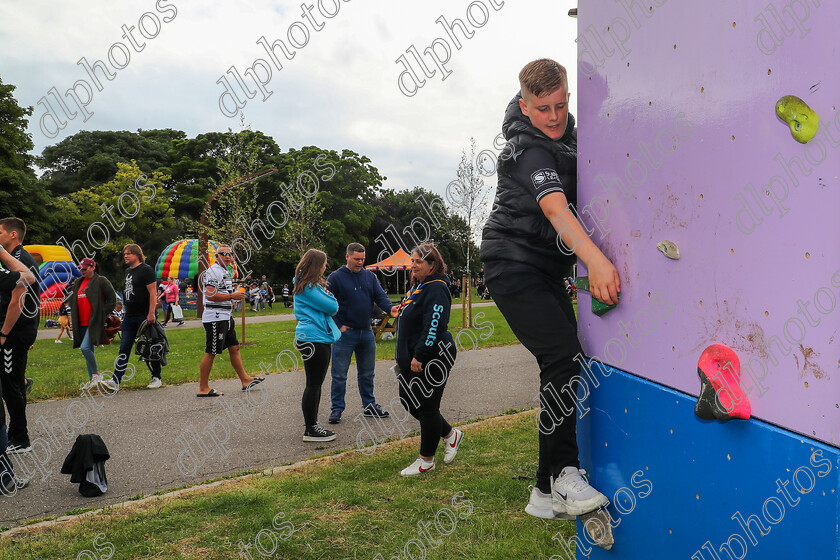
(314, 335)
(425, 354)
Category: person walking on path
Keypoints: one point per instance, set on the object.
(425, 354)
(526, 252)
(356, 290)
(15, 280)
(170, 295)
(314, 336)
(219, 328)
(139, 298)
(93, 299)
(18, 336)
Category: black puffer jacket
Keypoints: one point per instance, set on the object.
(517, 230)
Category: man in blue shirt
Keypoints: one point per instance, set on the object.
(356, 290)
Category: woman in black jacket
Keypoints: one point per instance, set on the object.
(425, 354)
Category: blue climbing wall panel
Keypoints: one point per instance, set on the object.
(675, 481)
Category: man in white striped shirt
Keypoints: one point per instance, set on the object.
(219, 327)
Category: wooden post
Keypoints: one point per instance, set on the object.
(463, 303)
(242, 302)
(469, 304)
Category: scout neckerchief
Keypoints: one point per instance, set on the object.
(409, 297)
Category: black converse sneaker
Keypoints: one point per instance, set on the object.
(317, 433)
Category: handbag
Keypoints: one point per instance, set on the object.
(112, 327)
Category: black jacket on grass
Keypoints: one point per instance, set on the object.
(423, 324)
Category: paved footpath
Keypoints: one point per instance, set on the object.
(44, 334)
(166, 438)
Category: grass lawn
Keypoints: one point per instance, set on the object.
(58, 369)
(350, 506)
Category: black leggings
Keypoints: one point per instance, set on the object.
(422, 400)
(316, 360)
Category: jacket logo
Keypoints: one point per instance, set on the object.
(543, 176)
(430, 338)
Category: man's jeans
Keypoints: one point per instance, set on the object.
(128, 332)
(360, 341)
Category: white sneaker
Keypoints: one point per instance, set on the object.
(111, 385)
(15, 448)
(540, 505)
(154, 383)
(58, 341)
(94, 382)
(572, 493)
(419, 466)
(451, 445)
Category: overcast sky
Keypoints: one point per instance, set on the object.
(340, 89)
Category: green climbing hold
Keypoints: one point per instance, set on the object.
(803, 121)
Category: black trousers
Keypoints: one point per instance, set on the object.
(541, 315)
(420, 394)
(316, 361)
(13, 358)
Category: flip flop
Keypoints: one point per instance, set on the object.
(212, 393)
(254, 382)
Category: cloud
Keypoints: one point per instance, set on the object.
(339, 91)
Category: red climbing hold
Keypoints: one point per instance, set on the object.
(721, 397)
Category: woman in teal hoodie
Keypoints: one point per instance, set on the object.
(314, 335)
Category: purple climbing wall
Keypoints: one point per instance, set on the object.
(679, 141)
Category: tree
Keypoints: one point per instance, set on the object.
(89, 158)
(20, 194)
(133, 207)
(468, 197)
(313, 183)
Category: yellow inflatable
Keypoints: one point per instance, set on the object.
(48, 253)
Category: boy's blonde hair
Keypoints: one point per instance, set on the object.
(541, 77)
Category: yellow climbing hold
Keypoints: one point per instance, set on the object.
(803, 121)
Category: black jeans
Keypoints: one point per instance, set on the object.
(421, 398)
(13, 357)
(128, 332)
(540, 314)
(316, 360)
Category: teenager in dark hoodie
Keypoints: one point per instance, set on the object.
(425, 354)
(529, 244)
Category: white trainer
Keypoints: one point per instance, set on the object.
(451, 445)
(154, 383)
(540, 505)
(419, 466)
(111, 385)
(573, 495)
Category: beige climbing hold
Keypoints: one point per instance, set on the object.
(669, 249)
(597, 524)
